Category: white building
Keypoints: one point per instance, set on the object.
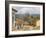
(38, 23)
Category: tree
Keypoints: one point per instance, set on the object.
(31, 16)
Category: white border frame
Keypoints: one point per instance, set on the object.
(25, 32)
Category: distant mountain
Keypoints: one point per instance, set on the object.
(35, 14)
(25, 15)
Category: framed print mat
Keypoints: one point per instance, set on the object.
(24, 18)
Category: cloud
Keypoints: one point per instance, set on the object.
(30, 10)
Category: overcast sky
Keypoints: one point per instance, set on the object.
(30, 10)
